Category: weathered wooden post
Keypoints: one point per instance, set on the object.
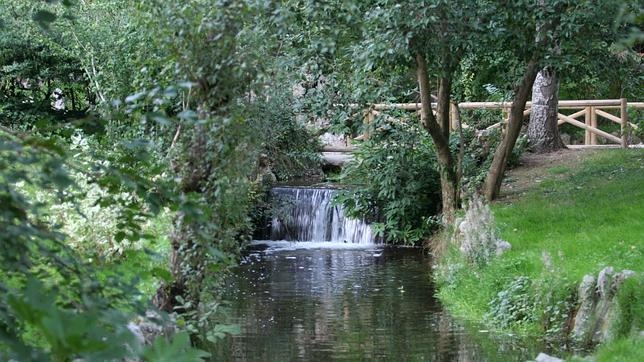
(623, 113)
(593, 123)
(368, 120)
(589, 111)
(453, 117)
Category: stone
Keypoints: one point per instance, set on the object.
(502, 246)
(542, 357)
(605, 282)
(597, 311)
(565, 138)
(621, 277)
(587, 299)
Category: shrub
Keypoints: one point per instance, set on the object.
(393, 180)
(477, 234)
(292, 148)
(515, 304)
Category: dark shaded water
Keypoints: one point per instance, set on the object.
(329, 301)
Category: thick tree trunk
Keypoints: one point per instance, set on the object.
(503, 150)
(543, 132)
(438, 128)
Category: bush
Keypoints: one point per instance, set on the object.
(477, 233)
(515, 304)
(393, 180)
(292, 148)
(54, 304)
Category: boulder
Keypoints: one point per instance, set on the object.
(542, 357)
(597, 312)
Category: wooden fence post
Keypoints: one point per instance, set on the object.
(368, 119)
(593, 123)
(453, 117)
(589, 111)
(623, 113)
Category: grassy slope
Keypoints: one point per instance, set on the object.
(592, 219)
(583, 218)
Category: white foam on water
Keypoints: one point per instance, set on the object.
(285, 245)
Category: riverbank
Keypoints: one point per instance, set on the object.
(567, 215)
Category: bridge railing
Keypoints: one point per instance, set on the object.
(589, 110)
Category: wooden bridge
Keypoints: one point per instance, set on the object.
(584, 114)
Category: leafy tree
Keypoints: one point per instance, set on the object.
(550, 25)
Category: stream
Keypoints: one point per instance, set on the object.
(337, 298)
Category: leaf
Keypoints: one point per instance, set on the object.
(188, 115)
(228, 328)
(178, 349)
(162, 273)
(134, 97)
(44, 18)
(119, 236)
(159, 118)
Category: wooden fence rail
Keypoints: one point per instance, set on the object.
(590, 110)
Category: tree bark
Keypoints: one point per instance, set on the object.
(503, 150)
(543, 131)
(438, 128)
(187, 260)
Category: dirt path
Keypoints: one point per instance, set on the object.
(536, 167)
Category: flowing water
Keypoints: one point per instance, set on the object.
(308, 214)
(338, 297)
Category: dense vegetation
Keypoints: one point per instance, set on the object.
(134, 139)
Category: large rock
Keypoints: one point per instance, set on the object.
(333, 142)
(542, 357)
(597, 311)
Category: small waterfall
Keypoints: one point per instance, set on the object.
(307, 214)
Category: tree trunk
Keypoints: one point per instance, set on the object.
(503, 150)
(187, 261)
(543, 132)
(438, 128)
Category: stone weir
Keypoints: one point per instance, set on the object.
(308, 214)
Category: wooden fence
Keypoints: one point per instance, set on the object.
(590, 110)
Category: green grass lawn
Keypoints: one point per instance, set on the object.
(576, 221)
(591, 219)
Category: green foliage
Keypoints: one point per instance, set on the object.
(56, 305)
(175, 349)
(630, 302)
(393, 180)
(622, 350)
(33, 64)
(293, 150)
(514, 304)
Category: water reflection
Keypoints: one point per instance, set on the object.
(350, 304)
